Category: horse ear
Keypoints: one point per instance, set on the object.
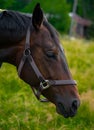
(37, 17)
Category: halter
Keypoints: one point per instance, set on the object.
(44, 83)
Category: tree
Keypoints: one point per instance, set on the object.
(13, 4)
(85, 9)
(88, 13)
(5, 3)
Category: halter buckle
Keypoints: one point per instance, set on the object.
(27, 52)
(44, 85)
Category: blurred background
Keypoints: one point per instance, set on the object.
(19, 109)
(75, 17)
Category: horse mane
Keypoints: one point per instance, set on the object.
(13, 26)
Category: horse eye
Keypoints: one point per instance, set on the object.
(51, 54)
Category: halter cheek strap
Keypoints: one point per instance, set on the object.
(44, 83)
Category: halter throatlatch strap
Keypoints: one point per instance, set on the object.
(44, 83)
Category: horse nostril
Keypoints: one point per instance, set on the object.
(61, 110)
(74, 106)
(61, 107)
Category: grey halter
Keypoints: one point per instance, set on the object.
(44, 83)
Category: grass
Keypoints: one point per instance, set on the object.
(19, 109)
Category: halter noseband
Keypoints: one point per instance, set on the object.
(44, 84)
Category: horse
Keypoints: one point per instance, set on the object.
(32, 44)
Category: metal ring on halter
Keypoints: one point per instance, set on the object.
(44, 85)
(27, 52)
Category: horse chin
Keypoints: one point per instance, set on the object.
(61, 110)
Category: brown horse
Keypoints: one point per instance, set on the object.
(33, 46)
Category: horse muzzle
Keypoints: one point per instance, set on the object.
(68, 110)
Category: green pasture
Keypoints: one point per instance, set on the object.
(20, 110)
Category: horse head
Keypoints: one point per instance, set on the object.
(41, 63)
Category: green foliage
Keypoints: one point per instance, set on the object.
(85, 9)
(6, 4)
(13, 4)
(19, 109)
